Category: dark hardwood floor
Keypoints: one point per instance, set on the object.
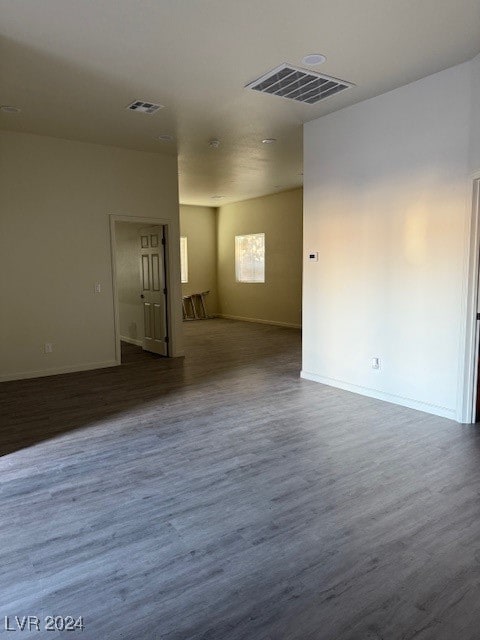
(220, 497)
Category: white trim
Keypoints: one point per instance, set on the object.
(170, 279)
(469, 331)
(444, 412)
(59, 370)
(275, 323)
(136, 341)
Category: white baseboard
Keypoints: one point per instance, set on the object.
(136, 341)
(259, 321)
(58, 370)
(434, 409)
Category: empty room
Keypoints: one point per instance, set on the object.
(239, 321)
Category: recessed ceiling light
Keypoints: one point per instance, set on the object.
(165, 137)
(314, 58)
(10, 109)
(269, 140)
(214, 144)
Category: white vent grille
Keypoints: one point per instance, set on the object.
(144, 107)
(298, 84)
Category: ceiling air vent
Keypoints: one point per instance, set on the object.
(298, 84)
(144, 107)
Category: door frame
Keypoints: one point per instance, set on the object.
(470, 336)
(169, 279)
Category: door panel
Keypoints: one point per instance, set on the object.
(159, 325)
(153, 287)
(146, 273)
(155, 272)
(147, 320)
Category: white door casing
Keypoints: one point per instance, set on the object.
(469, 338)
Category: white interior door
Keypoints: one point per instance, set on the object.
(153, 289)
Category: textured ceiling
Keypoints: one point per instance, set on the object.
(73, 66)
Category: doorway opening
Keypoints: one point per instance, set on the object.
(141, 291)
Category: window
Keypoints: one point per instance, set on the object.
(183, 260)
(250, 258)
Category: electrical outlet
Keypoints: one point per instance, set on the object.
(48, 347)
(98, 287)
(375, 363)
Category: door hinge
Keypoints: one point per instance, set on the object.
(478, 316)
(165, 291)
(167, 339)
(163, 241)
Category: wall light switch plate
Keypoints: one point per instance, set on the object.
(48, 347)
(375, 363)
(98, 287)
(313, 256)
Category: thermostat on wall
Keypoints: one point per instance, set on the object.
(313, 256)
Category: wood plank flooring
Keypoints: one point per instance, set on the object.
(220, 497)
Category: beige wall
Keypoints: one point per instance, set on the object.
(278, 300)
(55, 200)
(198, 224)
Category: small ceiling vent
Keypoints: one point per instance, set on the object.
(144, 107)
(298, 84)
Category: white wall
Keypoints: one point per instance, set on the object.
(387, 198)
(475, 119)
(55, 200)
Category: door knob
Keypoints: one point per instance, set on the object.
(142, 296)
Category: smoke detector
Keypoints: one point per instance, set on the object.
(214, 144)
(144, 107)
(314, 59)
(295, 83)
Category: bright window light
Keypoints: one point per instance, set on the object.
(183, 260)
(250, 258)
